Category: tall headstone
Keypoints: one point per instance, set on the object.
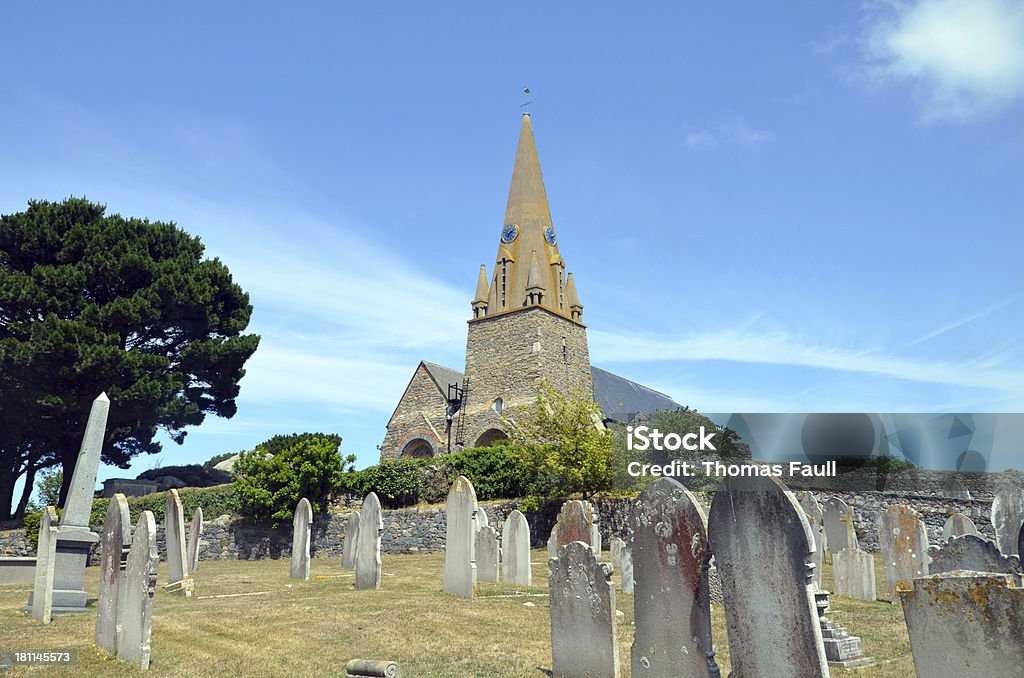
(903, 542)
(178, 579)
(488, 554)
(672, 606)
(553, 543)
(460, 573)
(515, 550)
(762, 545)
(74, 538)
(958, 524)
(481, 518)
(195, 533)
(965, 624)
(971, 552)
(1007, 517)
(46, 551)
(628, 582)
(302, 526)
(615, 546)
(114, 542)
(853, 572)
(348, 548)
(1020, 541)
(837, 519)
(583, 642)
(367, 561)
(135, 625)
(815, 516)
(577, 521)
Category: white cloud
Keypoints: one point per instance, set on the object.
(731, 133)
(964, 58)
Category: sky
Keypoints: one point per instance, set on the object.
(767, 207)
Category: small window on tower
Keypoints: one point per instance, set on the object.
(565, 350)
(496, 405)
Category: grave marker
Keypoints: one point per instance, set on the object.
(114, 542)
(460, 573)
(178, 579)
(515, 549)
(367, 560)
(302, 527)
(583, 642)
(815, 516)
(971, 552)
(1007, 518)
(958, 524)
(488, 554)
(837, 519)
(195, 532)
(46, 557)
(135, 619)
(348, 552)
(853, 572)
(903, 541)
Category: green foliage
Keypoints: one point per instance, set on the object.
(216, 459)
(497, 472)
(560, 441)
(271, 479)
(193, 475)
(685, 420)
(33, 520)
(91, 302)
(48, 487)
(397, 482)
(215, 501)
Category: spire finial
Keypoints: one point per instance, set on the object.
(526, 101)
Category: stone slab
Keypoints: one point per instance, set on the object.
(970, 552)
(853, 572)
(958, 524)
(515, 550)
(1008, 517)
(488, 554)
(115, 540)
(135, 625)
(367, 561)
(348, 553)
(837, 519)
(178, 579)
(17, 570)
(903, 542)
(195, 534)
(302, 526)
(46, 554)
(460, 573)
(583, 628)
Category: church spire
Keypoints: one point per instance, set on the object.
(528, 269)
(482, 290)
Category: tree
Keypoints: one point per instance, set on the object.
(271, 479)
(561, 440)
(91, 302)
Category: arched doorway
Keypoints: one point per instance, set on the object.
(489, 437)
(418, 448)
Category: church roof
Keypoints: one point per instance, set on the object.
(442, 376)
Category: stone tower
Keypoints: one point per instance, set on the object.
(527, 321)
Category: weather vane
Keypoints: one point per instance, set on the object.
(526, 104)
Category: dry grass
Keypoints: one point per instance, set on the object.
(295, 628)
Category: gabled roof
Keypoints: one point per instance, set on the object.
(442, 376)
(621, 399)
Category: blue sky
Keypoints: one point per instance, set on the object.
(797, 206)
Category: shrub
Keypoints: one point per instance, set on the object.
(193, 475)
(32, 522)
(397, 482)
(216, 459)
(496, 472)
(216, 501)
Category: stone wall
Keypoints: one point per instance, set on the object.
(420, 415)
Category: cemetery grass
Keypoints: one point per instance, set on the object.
(265, 623)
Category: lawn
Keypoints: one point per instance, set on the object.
(249, 619)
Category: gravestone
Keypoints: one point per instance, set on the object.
(367, 561)
(1007, 518)
(348, 550)
(815, 516)
(135, 617)
(46, 558)
(1020, 541)
(965, 624)
(481, 518)
(74, 538)
(583, 642)
(488, 554)
(971, 552)
(628, 583)
(195, 532)
(903, 542)
(615, 547)
(460, 573)
(958, 524)
(837, 519)
(178, 579)
(853, 573)
(762, 545)
(114, 542)
(515, 550)
(577, 521)
(672, 607)
(553, 543)
(302, 526)
(955, 489)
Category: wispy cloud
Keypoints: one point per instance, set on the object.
(964, 58)
(736, 132)
(969, 318)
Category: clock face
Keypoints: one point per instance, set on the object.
(509, 233)
(549, 235)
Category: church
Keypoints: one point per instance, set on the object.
(526, 325)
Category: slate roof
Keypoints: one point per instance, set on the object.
(620, 399)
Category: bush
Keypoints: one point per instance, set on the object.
(307, 465)
(496, 472)
(193, 475)
(397, 482)
(216, 459)
(32, 522)
(216, 501)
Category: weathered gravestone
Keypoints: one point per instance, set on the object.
(903, 542)
(46, 556)
(615, 546)
(971, 552)
(672, 608)
(958, 524)
(367, 562)
(955, 489)
(515, 550)
(488, 554)
(135, 603)
(74, 539)
(348, 550)
(965, 624)
(626, 559)
(178, 579)
(1020, 542)
(853, 572)
(114, 542)
(302, 527)
(1007, 518)
(481, 518)
(553, 543)
(460, 573)
(837, 520)
(583, 643)
(815, 516)
(577, 521)
(762, 544)
(195, 533)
